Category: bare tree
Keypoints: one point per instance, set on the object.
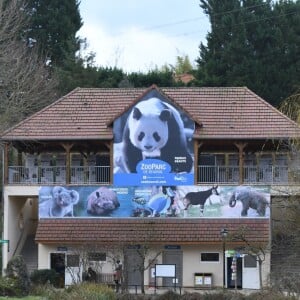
(255, 249)
(26, 84)
(285, 214)
(147, 257)
(137, 257)
(286, 243)
(84, 257)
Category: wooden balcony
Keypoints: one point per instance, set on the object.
(57, 175)
(251, 175)
(80, 175)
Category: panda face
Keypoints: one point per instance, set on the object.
(149, 132)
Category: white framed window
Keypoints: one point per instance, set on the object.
(211, 257)
(73, 260)
(97, 256)
(250, 261)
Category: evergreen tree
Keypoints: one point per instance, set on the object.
(54, 24)
(252, 43)
(160, 78)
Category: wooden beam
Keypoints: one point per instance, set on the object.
(68, 147)
(196, 148)
(241, 147)
(5, 162)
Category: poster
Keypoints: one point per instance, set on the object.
(153, 145)
(154, 201)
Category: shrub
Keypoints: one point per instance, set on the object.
(268, 295)
(169, 295)
(43, 276)
(128, 296)
(44, 290)
(191, 296)
(8, 287)
(86, 291)
(17, 270)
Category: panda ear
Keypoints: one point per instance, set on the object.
(165, 115)
(136, 113)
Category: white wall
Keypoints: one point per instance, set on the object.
(16, 201)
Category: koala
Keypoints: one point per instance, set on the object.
(61, 204)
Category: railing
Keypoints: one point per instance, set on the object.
(57, 175)
(218, 174)
(251, 174)
(101, 174)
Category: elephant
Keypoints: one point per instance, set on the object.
(250, 198)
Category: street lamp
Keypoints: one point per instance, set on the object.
(223, 234)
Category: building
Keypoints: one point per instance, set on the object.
(147, 176)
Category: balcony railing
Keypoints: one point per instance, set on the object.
(251, 174)
(57, 175)
(101, 174)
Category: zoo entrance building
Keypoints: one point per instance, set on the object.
(177, 183)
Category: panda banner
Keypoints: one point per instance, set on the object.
(153, 145)
(154, 201)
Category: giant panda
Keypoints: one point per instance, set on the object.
(154, 129)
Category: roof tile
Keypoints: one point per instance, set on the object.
(152, 231)
(224, 112)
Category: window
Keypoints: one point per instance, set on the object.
(249, 261)
(72, 260)
(209, 257)
(97, 256)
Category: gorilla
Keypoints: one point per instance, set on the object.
(250, 198)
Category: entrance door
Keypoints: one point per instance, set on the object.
(133, 264)
(173, 257)
(250, 272)
(234, 272)
(57, 262)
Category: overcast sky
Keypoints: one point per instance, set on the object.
(137, 35)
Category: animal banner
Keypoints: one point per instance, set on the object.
(153, 145)
(154, 201)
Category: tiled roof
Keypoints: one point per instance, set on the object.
(225, 113)
(148, 230)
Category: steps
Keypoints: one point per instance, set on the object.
(30, 253)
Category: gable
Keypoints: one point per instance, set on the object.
(153, 92)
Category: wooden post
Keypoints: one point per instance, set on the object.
(68, 147)
(111, 160)
(5, 163)
(196, 147)
(241, 147)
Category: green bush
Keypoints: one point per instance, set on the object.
(268, 294)
(169, 295)
(128, 296)
(84, 291)
(17, 270)
(44, 290)
(8, 287)
(43, 276)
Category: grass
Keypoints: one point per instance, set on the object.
(25, 298)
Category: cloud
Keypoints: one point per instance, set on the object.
(135, 49)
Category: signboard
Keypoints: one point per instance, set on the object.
(165, 270)
(5, 242)
(153, 145)
(154, 201)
